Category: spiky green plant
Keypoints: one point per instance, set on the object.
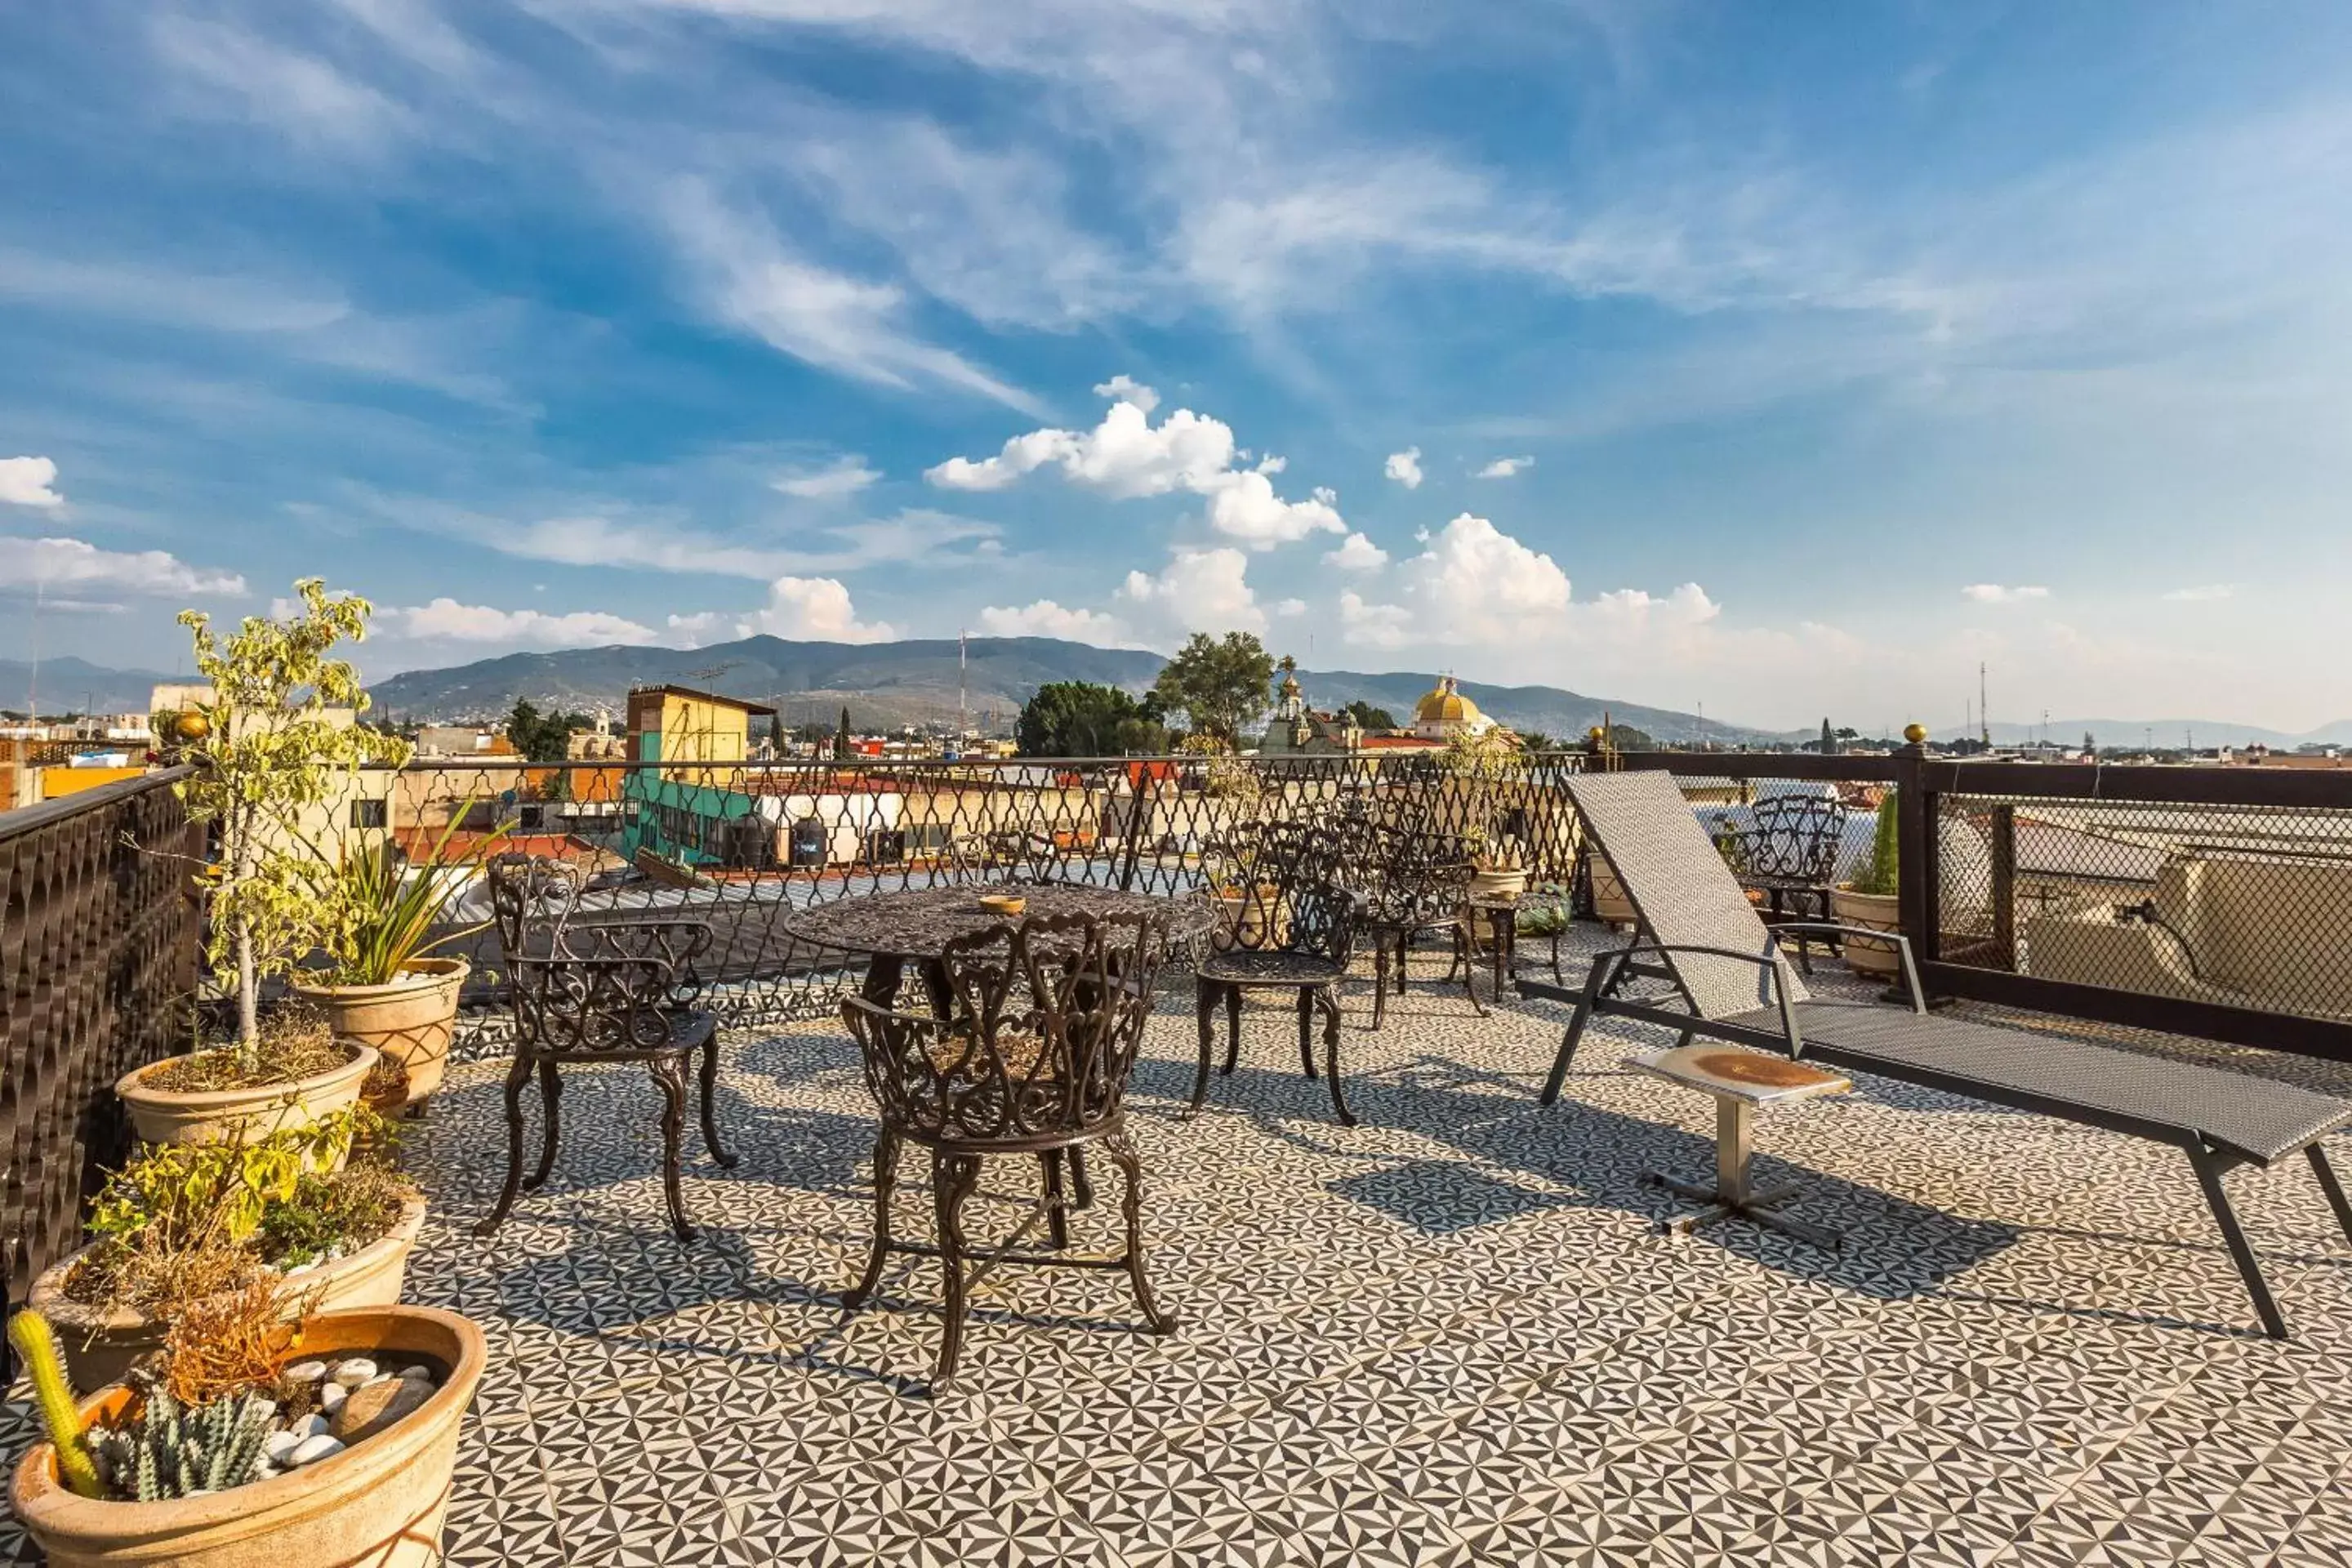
(170, 1450)
(1881, 873)
(30, 1334)
(387, 916)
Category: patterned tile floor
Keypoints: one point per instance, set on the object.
(1445, 1336)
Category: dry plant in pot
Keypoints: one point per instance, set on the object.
(254, 1443)
(179, 1226)
(280, 747)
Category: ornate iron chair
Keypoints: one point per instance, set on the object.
(1788, 852)
(1410, 883)
(1043, 1023)
(602, 991)
(1290, 925)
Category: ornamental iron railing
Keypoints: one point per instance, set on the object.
(99, 939)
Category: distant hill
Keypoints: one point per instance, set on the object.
(882, 684)
(76, 685)
(886, 684)
(2164, 733)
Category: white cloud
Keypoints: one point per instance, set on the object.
(1127, 456)
(1045, 618)
(1473, 582)
(446, 620)
(1198, 590)
(916, 536)
(2203, 592)
(1373, 625)
(844, 476)
(1506, 467)
(751, 279)
(1357, 553)
(30, 481)
(1995, 593)
(53, 561)
(1405, 468)
(813, 609)
(247, 77)
(1126, 389)
(1289, 607)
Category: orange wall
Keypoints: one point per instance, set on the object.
(56, 782)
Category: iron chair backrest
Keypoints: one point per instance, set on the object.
(532, 898)
(1288, 892)
(591, 1006)
(1045, 1022)
(1413, 878)
(1793, 838)
(1685, 894)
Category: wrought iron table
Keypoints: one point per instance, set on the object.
(915, 926)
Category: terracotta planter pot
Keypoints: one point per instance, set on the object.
(1610, 901)
(1873, 912)
(239, 1115)
(100, 1346)
(379, 1503)
(1511, 884)
(409, 1024)
(1252, 921)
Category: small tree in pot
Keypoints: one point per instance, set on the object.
(277, 745)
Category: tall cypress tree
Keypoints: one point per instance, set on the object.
(841, 736)
(1829, 741)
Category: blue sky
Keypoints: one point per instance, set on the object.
(1785, 359)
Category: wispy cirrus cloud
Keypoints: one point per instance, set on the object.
(2204, 593)
(1999, 594)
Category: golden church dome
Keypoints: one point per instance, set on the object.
(1446, 706)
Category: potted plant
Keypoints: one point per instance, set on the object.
(278, 753)
(1500, 870)
(180, 1225)
(385, 989)
(1869, 900)
(225, 1456)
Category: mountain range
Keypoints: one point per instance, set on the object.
(914, 682)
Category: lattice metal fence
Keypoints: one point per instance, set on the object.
(97, 964)
(2244, 906)
(745, 845)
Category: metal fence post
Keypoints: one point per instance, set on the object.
(1915, 845)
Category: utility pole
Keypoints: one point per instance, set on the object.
(964, 714)
(1984, 714)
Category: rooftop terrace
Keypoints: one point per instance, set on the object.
(1447, 1335)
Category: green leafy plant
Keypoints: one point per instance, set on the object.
(184, 1223)
(30, 1334)
(384, 917)
(1882, 871)
(279, 744)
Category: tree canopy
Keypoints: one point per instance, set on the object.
(1218, 685)
(1370, 717)
(543, 737)
(1080, 718)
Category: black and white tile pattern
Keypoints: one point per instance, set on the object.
(1446, 1336)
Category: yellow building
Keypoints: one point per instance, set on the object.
(679, 724)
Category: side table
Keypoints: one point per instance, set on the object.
(1740, 1081)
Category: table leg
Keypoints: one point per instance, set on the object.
(881, 987)
(1734, 1123)
(1733, 1195)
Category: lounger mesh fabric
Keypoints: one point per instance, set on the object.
(2173, 1102)
(1684, 893)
